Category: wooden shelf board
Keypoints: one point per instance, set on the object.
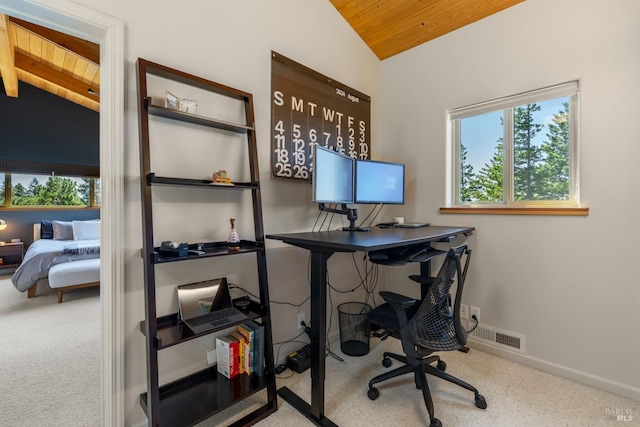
(211, 249)
(194, 398)
(167, 113)
(172, 331)
(165, 180)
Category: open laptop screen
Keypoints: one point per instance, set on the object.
(196, 299)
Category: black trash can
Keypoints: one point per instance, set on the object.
(355, 328)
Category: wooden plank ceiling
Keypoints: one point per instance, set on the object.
(390, 27)
(63, 65)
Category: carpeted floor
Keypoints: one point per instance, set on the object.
(516, 395)
(50, 358)
(50, 376)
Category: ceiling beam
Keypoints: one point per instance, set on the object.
(86, 49)
(58, 78)
(7, 61)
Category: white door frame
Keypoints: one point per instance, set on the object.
(80, 21)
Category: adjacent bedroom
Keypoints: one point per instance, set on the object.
(49, 227)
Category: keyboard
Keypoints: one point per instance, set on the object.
(413, 251)
(214, 316)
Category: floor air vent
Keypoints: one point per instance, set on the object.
(498, 338)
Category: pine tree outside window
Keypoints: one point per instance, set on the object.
(36, 191)
(518, 151)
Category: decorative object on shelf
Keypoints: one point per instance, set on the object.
(171, 101)
(169, 248)
(221, 178)
(188, 106)
(234, 240)
(3, 224)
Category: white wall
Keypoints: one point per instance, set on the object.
(570, 284)
(230, 42)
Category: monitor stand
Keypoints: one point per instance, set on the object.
(352, 216)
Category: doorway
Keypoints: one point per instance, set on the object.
(82, 22)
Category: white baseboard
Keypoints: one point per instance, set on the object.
(585, 378)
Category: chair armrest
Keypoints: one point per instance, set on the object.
(423, 280)
(397, 300)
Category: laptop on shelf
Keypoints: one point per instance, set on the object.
(207, 305)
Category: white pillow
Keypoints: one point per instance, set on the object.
(85, 230)
(62, 230)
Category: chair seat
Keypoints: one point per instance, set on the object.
(386, 317)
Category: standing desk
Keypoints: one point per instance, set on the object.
(323, 244)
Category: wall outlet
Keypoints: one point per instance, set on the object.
(300, 320)
(464, 311)
(212, 356)
(475, 311)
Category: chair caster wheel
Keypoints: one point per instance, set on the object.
(373, 393)
(435, 423)
(441, 365)
(386, 362)
(481, 402)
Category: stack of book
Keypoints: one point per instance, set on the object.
(242, 351)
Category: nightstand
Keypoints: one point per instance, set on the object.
(11, 254)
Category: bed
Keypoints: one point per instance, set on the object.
(57, 242)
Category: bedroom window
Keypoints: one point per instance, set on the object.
(3, 194)
(31, 190)
(517, 151)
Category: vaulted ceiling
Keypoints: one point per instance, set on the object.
(58, 63)
(390, 27)
(70, 67)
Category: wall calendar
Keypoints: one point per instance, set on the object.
(309, 108)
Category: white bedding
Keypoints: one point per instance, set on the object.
(45, 253)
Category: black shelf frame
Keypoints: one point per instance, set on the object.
(196, 397)
(181, 400)
(167, 113)
(153, 179)
(171, 330)
(210, 249)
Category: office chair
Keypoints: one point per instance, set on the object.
(424, 327)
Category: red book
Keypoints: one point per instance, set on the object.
(227, 353)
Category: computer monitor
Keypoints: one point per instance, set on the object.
(379, 182)
(332, 177)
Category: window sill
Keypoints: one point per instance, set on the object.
(543, 210)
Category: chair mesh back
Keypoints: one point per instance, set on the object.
(434, 325)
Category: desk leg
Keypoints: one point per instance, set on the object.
(425, 271)
(318, 330)
(318, 334)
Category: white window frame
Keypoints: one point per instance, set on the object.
(507, 104)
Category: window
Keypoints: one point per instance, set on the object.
(519, 151)
(31, 190)
(3, 193)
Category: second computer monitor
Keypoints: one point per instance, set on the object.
(379, 182)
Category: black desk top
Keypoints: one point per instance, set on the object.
(376, 239)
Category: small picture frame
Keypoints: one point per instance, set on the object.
(188, 105)
(171, 101)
